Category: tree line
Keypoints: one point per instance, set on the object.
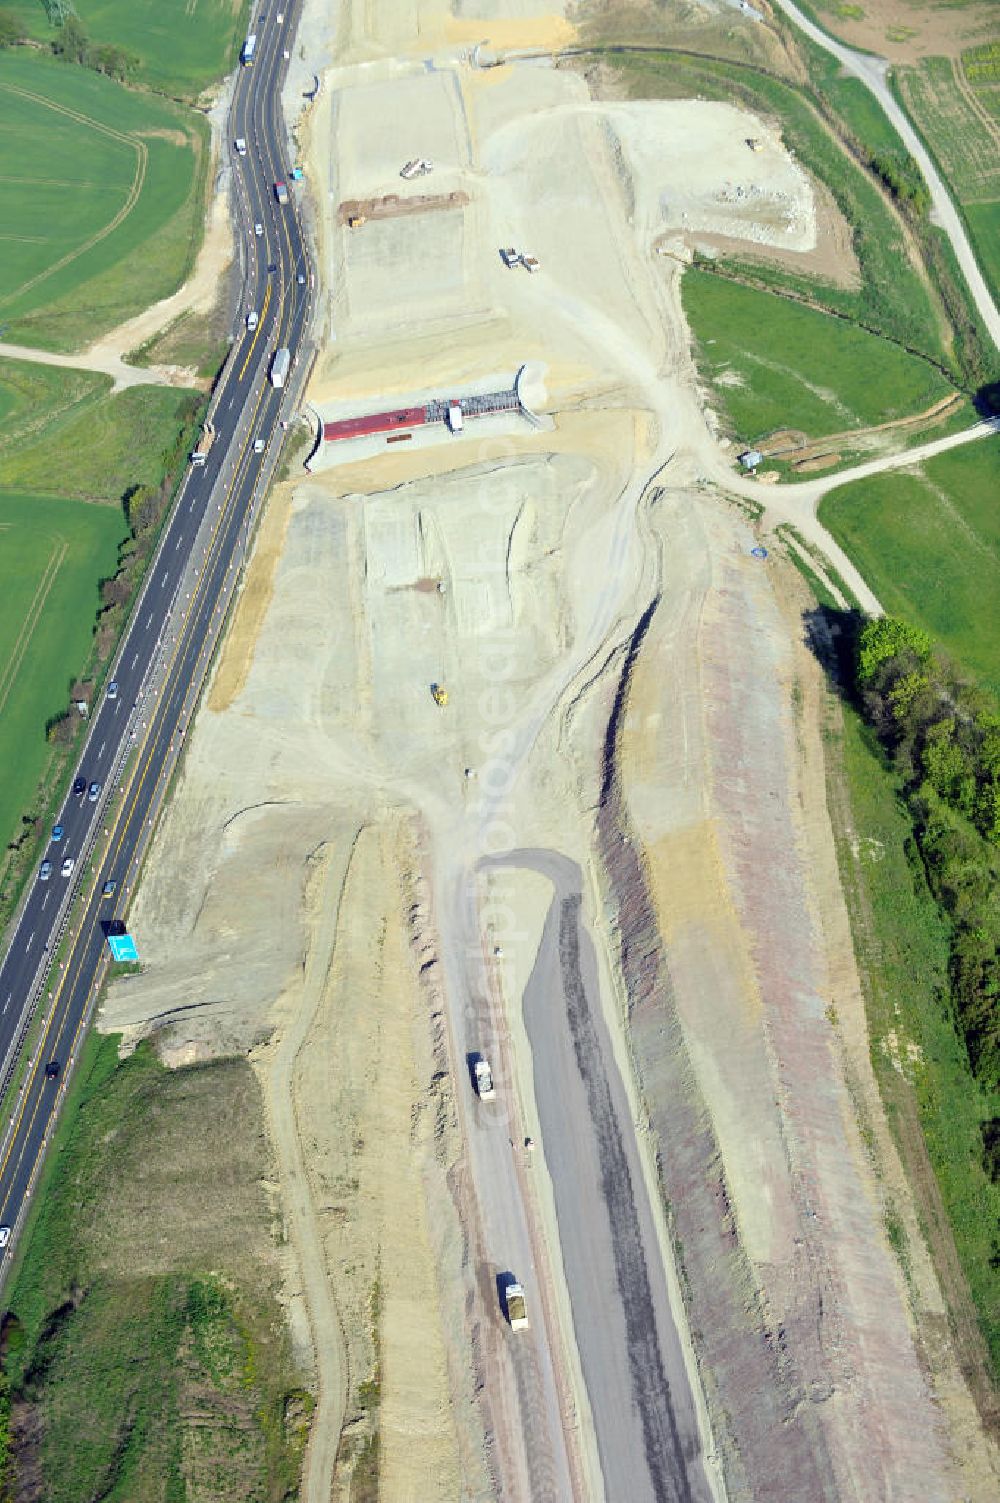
(73, 45)
(942, 735)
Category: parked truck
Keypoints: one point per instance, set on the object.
(483, 1076)
(249, 48)
(201, 449)
(281, 192)
(517, 1310)
(281, 364)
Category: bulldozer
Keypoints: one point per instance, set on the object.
(439, 694)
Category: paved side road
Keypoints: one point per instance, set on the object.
(872, 72)
(633, 1363)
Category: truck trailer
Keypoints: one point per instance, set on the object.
(517, 1310)
(281, 192)
(249, 48)
(281, 364)
(483, 1075)
(201, 449)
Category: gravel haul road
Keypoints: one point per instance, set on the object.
(647, 1432)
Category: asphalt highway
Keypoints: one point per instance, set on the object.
(134, 737)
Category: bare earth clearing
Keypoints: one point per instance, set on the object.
(606, 863)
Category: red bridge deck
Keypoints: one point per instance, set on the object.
(375, 422)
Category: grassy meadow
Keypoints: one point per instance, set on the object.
(776, 364)
(149, 1353)
(53, 552)
(182, 45)
(100, 200)
(928, 543)
(96, 453)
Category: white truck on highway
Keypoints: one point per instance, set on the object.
(281, 364)
(201, 449)
(483, 1076)
(517, 1309)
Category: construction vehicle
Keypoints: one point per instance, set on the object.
(517, 1309)
(201, 449)
(355, 221)
(509, 256)
(483, 1076)
(249, 48)
(281, 364)
(418, 167)
(530, 263)
(454, 419)
(281, 192)
(439, 694)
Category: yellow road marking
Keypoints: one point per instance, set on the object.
(260, 325)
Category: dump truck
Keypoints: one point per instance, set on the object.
(355, 221)
(517, 1310)
(281, 192)
(483, 1076)
(281, 364)
(530, 263)
(509, 256)
(439, 694)
(418, 167)
(201, 449)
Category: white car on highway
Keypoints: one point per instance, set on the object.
(67, 866)
(258, 228)
(4, 1236)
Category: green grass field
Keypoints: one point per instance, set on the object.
(96, 453)
(776, 364)
(929, 546)
(100, 199)
(33, 396)
(182, 45)
(983, 221)
(54, 553)
(151, 1348)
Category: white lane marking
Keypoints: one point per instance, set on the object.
(45, 900)
(31, 937)
(135, 660)
(150, 621)
(166, 576)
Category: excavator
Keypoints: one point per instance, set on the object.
(439, 694)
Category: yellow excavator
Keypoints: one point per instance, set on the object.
(439, 694)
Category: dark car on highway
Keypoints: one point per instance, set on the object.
(79, 785)
(52, 1069)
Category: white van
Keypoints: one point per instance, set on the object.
(241, 146)
(252, 319)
